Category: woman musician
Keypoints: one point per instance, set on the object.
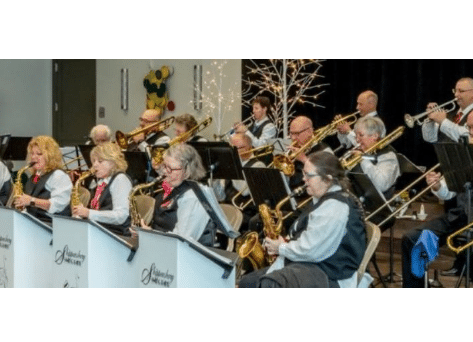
(326, 243)
(109, 205)
(48, 190)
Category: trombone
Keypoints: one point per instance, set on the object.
(123, 139)
(248, 122)
(459, 249)
(411, 120)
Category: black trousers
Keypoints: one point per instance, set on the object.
(442, 228)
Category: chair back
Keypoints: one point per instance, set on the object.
(84, 196)
(373, 235)
(145, 207)
(235, 218)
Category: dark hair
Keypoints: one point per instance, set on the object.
(328, 165)
(264, 102)
(187, 120)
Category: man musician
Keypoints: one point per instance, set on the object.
(151, 137)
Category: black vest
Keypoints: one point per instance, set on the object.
(105, 203)
(38, 190)
(347, 258)
(258, 131)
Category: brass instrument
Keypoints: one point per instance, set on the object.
(123, 139)
(248, 122)
(459, 249)
(71, 161)
(411, 120)
(134, 214)
(285, 162)
(406, 189)
(75, 194)
(158, 152)
(350, 160)
(18, 185)
(250, 246)
(353, 119)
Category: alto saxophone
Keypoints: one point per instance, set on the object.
(75, 194)
(18, 185)
(134, 214)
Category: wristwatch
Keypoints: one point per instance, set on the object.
(32, 203)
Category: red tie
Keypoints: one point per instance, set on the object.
(458, 117)
(94, 204)
(167, 191)
(36, 178)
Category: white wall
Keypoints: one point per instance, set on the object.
(179, 87)
(25, 97)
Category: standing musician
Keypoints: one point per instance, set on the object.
(366, 104)
(455, 218)
(446, 127)
(5, 183)
(225, 189)
(326, 243)
(48, 190)
(109, 205)
(152, 137)
(185, 123)
(186, 207)
(263, 129)
(99, 134)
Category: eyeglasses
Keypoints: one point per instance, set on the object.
(169, 169)
(461, 91)
(309, 175)
(297, 133)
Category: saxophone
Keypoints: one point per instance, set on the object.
(134, 214)
(18, 186)
(75, 195)
(251, 248)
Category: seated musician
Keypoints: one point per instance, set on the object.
(99, 134)
(443, 126)
(152, 137)
(384, 170)
(186, 207)
(109, 205)
(48, 190)
(185, 123)
(226, 189)
(262, 129)
(5, 183)
(366, 104)
(326, 243)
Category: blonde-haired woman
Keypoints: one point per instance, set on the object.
(109, 204)
(48, 190)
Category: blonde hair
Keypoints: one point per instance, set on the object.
(50, 149)
(110, 151)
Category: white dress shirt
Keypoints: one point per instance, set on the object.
(430, 128)
(383, 175)
(60, 186)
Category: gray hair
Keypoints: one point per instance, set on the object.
(371, 125)
(101, 128)
(188, 159)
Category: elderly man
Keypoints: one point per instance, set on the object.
(366, 104)
(99, 135)
(451, 126)
(151, 137)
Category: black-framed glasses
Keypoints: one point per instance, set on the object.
(461, 91)
(297, 133)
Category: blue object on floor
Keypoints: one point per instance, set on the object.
(425, 250)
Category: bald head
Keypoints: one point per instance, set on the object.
(301, 129)
(149, 116)
(100, 134)
(367, 102)
(243, 144)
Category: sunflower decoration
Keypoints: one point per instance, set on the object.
(156, 95)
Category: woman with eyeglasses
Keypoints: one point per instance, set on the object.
(325, 245)
(109, 204)
(186, 207)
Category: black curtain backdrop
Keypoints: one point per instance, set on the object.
(403, 86)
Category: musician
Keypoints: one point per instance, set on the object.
(109, 205)
(451, 126)
(5, 183)
(263, 129)
(99, 134)
(185, 123)
(366, 104)
(384, 170)
(326, 243)
(153, 137)
(48, 190)
(226, 189)
(186, 207)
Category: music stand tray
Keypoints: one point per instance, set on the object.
(85, 151)
(456, 162)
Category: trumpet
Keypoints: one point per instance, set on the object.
(411, 120)
(248, 122)
(123, 139)
(353, 119)
(459, 249)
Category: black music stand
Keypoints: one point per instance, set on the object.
(220, 159)
(17, 148)
(85, 151)
(137, 166)
(4, 139)
(456, 161)
(372, 200)
(268, 186)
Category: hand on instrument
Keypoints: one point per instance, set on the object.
(343, 127)
(436, 115)
(272, 246)
(22, 201)
(433, 177)
(301, 157)
(80, 211)
(138, 138)
(144, 226)
(240, 128)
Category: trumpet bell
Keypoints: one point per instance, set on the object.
(409, 121)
